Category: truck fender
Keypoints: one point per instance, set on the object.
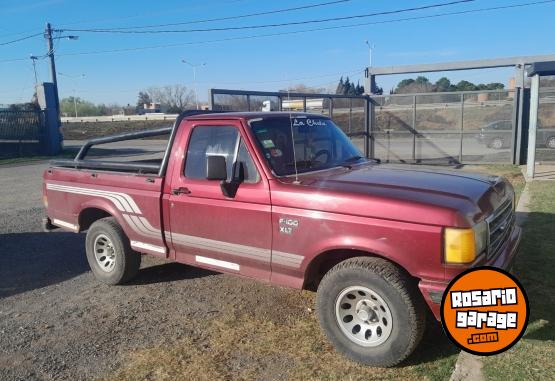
(337, 249)
(99, 205)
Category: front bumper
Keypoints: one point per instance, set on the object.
(432, 291)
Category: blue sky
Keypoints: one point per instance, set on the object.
(268, 63)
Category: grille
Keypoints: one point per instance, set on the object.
(500, 225)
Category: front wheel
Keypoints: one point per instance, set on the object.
(370, 311)
(109, 253)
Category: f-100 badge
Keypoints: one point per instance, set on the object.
(287, 225)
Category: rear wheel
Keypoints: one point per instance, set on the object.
(370, 311)
(109, 253)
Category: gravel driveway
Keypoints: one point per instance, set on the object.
(58, 322)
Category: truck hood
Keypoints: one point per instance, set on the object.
(409, 193)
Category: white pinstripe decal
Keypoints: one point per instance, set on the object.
(148, 246)
(140, 225)
(123, 201)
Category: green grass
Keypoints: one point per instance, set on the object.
(533, 358)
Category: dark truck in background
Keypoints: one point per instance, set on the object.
(498, 135)
(286, 198)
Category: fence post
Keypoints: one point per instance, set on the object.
(533, 126)
(248, 102)
(331, 108)
(47, 100)
(211, 98)
(514, 129)
(461, 131)
(369, 145)
(350, 115)
(414, 128)
(304, 104)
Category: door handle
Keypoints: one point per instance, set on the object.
(180, 191)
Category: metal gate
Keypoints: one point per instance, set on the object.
(545, 132)
(350, 113)
(21, 132)
(444, 128)
(471, 127)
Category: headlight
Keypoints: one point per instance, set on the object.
(464, 245)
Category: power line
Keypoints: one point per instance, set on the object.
(21, 39)
(437, 15)
(404, 10)
(303, 7)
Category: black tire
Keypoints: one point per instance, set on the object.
(126, 261)
(389, 283)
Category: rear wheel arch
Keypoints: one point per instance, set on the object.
(325, 261)
(90, 215)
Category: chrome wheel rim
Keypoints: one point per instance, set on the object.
(551, 143)
(363, 316)
(104, 253)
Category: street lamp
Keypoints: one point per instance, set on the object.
(74, 91)
(34, 59)
(194, 66)
(370, 48)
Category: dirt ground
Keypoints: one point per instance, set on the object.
(173, 321)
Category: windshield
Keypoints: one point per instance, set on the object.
(319, 144)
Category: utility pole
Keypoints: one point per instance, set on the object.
(50, 53)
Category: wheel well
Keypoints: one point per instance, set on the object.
(326, 260)
(88, 216)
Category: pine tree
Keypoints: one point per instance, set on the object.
(340, 86)
(347, 87)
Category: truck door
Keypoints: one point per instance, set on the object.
(209, 229)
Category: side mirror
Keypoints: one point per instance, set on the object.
(216, 168)
(229, 189)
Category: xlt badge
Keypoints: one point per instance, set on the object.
(287, 225)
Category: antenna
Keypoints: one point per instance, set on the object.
(292, 136)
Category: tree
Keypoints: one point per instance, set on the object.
(419, 85)
(443, 84)
(143, 99)
(423, 85)
(340, 86)
(466, 86)
(302, 88)
(84, 108)
(173, 98)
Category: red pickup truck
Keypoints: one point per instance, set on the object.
(288, 199)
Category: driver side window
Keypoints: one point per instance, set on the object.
(221, 141)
